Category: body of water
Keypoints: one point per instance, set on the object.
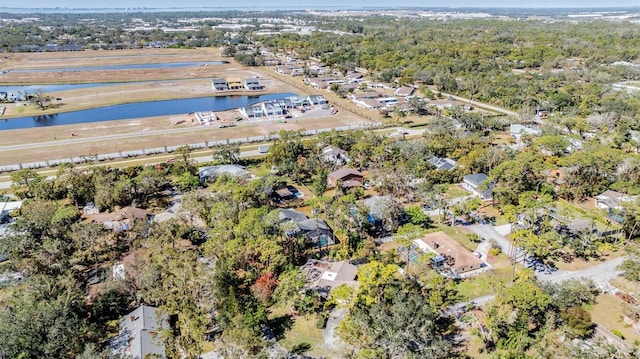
(139, 110)
(163, 65)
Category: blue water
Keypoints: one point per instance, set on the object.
(164, 65)
(138, 110)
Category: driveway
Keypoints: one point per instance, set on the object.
(331, 341)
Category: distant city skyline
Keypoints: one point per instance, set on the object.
(314, 4)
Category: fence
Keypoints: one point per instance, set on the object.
(170, 149)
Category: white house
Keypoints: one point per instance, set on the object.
(317, 100)
(517, 131)
(475, 183)
(254, 111)
(609, 200)
(252, 84)
(219, 84)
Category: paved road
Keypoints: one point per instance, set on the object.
(482, 105)
(601, 274)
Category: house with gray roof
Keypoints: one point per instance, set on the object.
(613, 200)
(335, 156)
(139, 335)
(317, 231)
(210, 173)
(475, 183)
(517, 131)
(442, 163)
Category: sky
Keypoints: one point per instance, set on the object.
(329, 3)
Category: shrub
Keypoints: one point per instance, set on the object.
(322, 320)
(618, 333)
(495, 251)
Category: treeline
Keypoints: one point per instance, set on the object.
(476, 58)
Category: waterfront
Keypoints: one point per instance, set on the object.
(139, 110)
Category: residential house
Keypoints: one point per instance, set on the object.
(612, 200)
(139, 336)
(317, 69)
(285, 194)
(354, 78)
(290, 215)
(477, 184)
(252, 84)
(219, 84)
(272, 108)
(324, 275)
(381, 210)
(235, 84)
(404, 91)
(212, 172)
(91, 208)
(323, 83)
(517, 131)
(299, 101)
(285, 104)
(347, 177)
(253, 111)
(442, 163)
(290, 69)
(121, 220)
(7, 207)
(317, 100)
(365, 95)
(558, 176)
(388, 101)
(316, 230)
(369, 104)
(451, 258)
(335, 156)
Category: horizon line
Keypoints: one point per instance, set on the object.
(324, 7)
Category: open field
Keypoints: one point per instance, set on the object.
(56, 142)
(101, 137)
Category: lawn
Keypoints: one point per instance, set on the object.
(487, 283)
(298, 329)
(475, 348)
(454, 191)
(608, 313)
(460, 234)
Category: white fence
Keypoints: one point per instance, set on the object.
(170, 149)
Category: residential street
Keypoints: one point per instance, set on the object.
(601, 273)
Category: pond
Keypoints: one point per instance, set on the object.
(162, 65)
(139, 110)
